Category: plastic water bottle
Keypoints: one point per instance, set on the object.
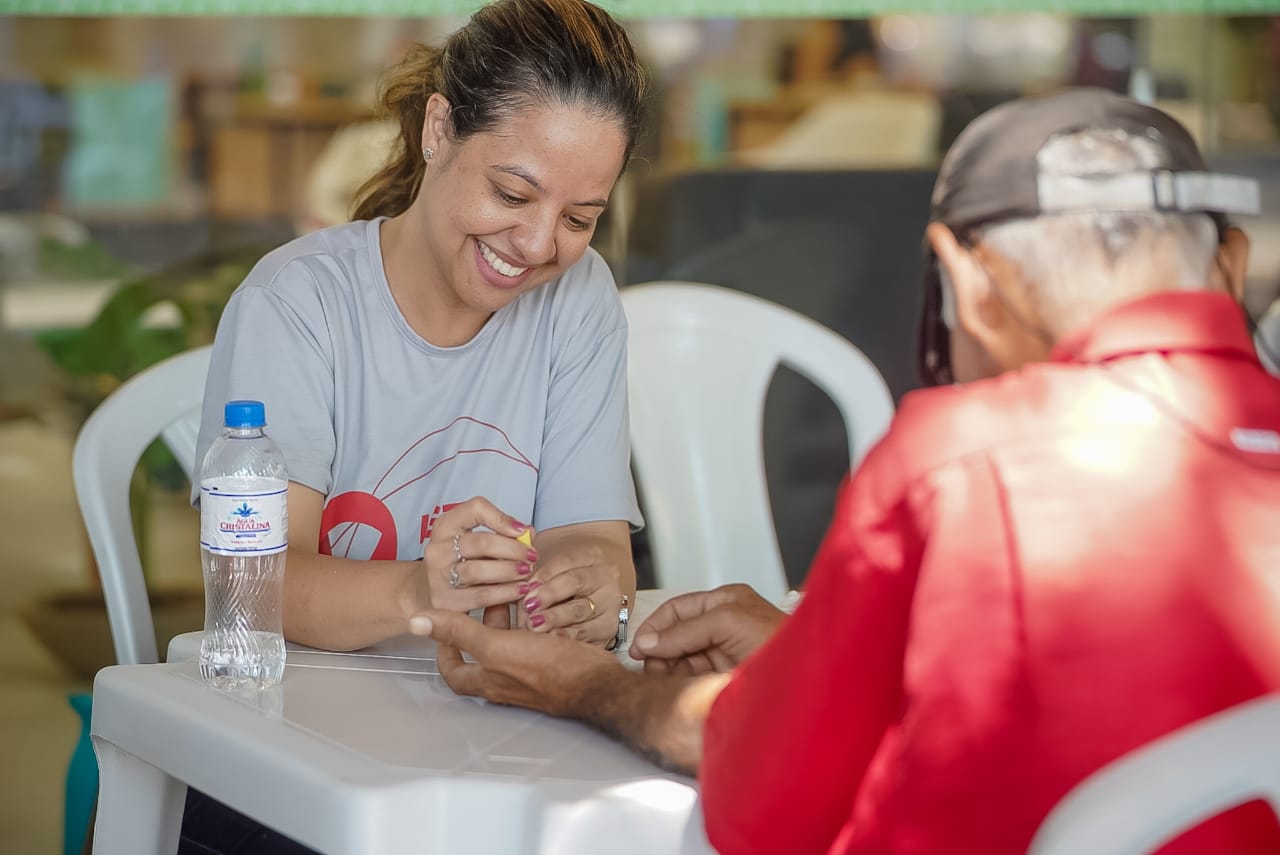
(243, 535)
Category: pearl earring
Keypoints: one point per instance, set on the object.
(428, 152)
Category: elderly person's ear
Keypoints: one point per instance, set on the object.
(971, 285)
(1233, 261)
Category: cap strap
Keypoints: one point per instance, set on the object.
(1151, 190)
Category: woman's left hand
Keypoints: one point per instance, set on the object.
(577, 586)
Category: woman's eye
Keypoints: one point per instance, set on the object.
(578, 225)
(508, 198)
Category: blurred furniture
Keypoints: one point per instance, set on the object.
(756, 123)
(700, 359)
(123, 152)
(261, 159)
(27, 116)
(842, 247)
(1147, 797)
(161, 402)
(370, 752)
(348, 159)
(859, 130)
(81, 787)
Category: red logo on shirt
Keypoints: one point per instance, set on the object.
(354, 509)
(429, 520)
(345, 513)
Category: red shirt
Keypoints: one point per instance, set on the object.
(1028, 577)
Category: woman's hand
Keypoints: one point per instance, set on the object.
(578, 586)
(463, 569)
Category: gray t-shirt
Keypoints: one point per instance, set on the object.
(531, 413)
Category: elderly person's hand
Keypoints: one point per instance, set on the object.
(578, 585)
(464, 569)
(705, 631)
(544, 673)
(660, 715)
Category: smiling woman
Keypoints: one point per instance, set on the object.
(447, 373)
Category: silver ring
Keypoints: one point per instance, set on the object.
(457, 550)
(454, 580)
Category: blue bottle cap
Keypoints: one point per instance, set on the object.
(244, 414)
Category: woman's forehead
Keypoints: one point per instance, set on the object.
(550, 144)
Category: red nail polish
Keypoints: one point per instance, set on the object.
(523, 569)
(518, 527)
(537, 620)
(531, 604)
(532, 555)
(523, 589)
(533, 586)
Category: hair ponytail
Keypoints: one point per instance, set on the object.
(403, 95)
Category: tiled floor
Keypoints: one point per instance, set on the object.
(42, 549)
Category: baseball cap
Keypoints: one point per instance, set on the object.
(992, 173)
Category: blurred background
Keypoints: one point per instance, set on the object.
(147, 161)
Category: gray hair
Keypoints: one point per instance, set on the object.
(1079, 263)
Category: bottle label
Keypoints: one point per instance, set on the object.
(244, 517)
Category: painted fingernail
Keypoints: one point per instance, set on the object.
(535, 584)
(523, 569)
(532, 555)
(523, 589)
(537, 621)
(531, 604)
(519, 527)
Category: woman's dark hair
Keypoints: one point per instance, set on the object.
(511, 55)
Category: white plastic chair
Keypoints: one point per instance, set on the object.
(162, 401)
(1147, 797)
(700, 362)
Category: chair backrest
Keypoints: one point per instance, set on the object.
(1144, 799)
(700, 361)
(163, 401)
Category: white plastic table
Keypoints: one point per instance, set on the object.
(370, 752)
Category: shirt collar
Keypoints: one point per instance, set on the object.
(1203, 321)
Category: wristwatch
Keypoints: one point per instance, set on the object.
(620, 638)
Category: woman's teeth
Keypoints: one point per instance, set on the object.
(498, 264)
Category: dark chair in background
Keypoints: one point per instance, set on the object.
(843, 248)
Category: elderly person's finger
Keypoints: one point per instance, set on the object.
(453, 633)
(709, 631)
(682, 608)
(537, 672)
(451, 629)
(679, 640)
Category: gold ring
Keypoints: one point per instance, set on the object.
(591, 603)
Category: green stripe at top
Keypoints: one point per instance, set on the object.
(637, 8)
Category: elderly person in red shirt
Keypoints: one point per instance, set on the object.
(1069, 552)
